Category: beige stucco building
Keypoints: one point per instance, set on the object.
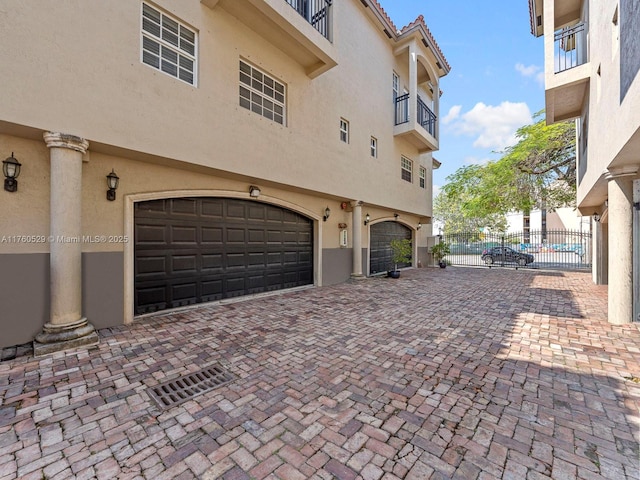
(592, 60)
(259, 144)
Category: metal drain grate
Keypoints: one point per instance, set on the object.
(170, 394)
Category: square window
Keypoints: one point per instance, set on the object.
(374, 147)
(268, 96)
(344, 130)
(168, 45)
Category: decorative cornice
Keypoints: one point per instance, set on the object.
(64, 140)
(625, 171)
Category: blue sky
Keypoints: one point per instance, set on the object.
(495, 83)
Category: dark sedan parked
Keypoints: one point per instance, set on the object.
(506, 255)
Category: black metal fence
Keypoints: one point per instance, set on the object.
(550, 249)
(317, 13)
(426, 118)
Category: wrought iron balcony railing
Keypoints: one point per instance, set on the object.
(426, 118)
(570, 49)
(316, 12)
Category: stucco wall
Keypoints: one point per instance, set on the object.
(91, 83)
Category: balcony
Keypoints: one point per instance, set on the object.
(300, 28)
(570, 47)
(567, 87)
(316, 12)
(421, 131)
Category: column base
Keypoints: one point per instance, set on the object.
(56, 338)
(358, 276)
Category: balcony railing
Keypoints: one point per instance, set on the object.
(570, 48)
(426, 118)
(316, 12)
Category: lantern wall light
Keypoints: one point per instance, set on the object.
(11, 171)
(367, 219)
(112, 184)
(254, 191)
(327, 212)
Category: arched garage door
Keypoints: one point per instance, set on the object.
(381, 235)
(192, 250)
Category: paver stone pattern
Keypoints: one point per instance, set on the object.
(455, 373)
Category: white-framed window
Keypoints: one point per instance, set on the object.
(423, 177)
(262, 94)
(374, 147)
(406, 167)
(168, 45)
(396, 86)
(344, 131)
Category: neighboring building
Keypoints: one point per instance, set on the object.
(592, 60)
(538, 220)
(259, 144)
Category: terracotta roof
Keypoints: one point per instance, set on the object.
(420, 22)
(385, 15)
(531, 19)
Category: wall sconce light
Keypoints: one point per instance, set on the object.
(419, 226)
(327, 212)
(396, 215)
(254, 191)
(596, 216)
(112, 184)
(11, 170)
(367, 219)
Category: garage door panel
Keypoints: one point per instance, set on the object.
(184, 206)
(235, 236)
(151, 265)
(257, 212)
(211, 235)
(211, 208)
(256, 235)
(236, 210)
(181, 234)
(202, 249)
(212, 261)
(151, 234)
(184, 264)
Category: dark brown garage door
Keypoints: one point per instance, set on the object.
(380, 258)
(192, 250)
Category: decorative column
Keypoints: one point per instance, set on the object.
(357, 239)
(67, 328)
(620, 197)
(413, 83)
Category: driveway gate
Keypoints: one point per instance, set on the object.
(551, 249)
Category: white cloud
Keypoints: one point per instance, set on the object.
(529, 71)
(532, 71)
(493, 126)
(454, 112)
(436, 190)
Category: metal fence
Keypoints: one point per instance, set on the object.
(550, 249)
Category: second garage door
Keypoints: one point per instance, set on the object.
(381, 234)
(192, 250)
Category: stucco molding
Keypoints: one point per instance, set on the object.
(64, 140)
(129, 217)
(617, 172)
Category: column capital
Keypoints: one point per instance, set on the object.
(624, 171)
(356, 203)
(64, 140)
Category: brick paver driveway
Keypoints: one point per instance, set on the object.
(455, 373)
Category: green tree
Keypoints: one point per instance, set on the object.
(537, 172)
